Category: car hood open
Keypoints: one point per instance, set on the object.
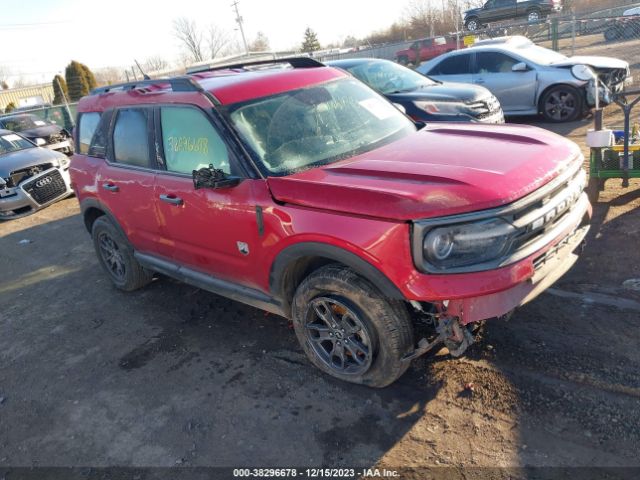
(444, 169)
(592, 61)
(43, 131)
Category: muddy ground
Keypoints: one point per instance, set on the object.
(172, 375)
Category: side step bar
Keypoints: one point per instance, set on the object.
(231, 290)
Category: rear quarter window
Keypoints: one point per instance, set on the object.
(87, 124)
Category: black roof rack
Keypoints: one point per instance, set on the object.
(295, 62)
(178, 84)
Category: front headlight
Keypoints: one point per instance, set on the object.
(441, 108)
(40, 141)
(460, 245)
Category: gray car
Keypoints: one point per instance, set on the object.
(31, 177)
(528, 79)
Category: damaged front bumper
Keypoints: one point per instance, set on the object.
(34, 193)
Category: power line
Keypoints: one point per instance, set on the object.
(239, 20)
(28, 25)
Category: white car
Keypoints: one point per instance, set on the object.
(631, 12)
(528, 79)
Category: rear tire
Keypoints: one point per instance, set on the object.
(612, 34)
(562, 103)
(115, 255)
(349, 330)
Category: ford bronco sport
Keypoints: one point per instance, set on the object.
(304, 193)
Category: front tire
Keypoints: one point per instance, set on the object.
(473, 24)
(403, 60)
(349, 330)
(115, 255)
(534, 16)
(562, 103)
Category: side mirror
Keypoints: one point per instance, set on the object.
(209, 177)
(520, 67)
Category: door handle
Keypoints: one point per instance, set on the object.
(479, 81)
(173, 200)
(110, 187)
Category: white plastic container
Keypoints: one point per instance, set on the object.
(600, 138)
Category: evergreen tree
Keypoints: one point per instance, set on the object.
(77, 83)
(88, 75)
(60, 91)
(311, 43)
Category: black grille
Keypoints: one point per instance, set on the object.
(46, 188)
(18, 176)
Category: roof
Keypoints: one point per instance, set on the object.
(350, 62)
(515, 41)
(227, 86)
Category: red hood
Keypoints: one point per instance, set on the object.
(444, 169)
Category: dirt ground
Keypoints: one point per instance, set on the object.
(172, 375)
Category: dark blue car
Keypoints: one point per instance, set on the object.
(422, 98)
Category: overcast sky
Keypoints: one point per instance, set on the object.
(40, 37)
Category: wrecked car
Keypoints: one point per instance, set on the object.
(31, 177)
(528, 79)
(39, 131)
(303, 192)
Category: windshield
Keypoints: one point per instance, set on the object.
(317, 125)
(389, 77)
(12, 143)
(22, 122)
(541, 55)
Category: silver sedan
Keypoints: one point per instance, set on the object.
(528, 79)
(31, 177)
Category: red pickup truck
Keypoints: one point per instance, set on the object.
(426, 49)
(303, 192)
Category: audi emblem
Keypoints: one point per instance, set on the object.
(43, 181)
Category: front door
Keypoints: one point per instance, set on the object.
(516, 91)
(213, 231)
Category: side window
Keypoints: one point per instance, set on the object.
(98, 147)
(494, 62)
(86, 128)
(453, 65)
(130, 137)
(190, 141)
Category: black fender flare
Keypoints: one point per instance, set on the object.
(89, 203)
(331, 253)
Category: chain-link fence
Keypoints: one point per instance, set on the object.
(603, 33)
(61, 115)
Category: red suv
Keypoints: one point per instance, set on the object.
(303, 192)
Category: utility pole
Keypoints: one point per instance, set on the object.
(239, 21)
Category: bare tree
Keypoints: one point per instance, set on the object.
(5, 73)
(109, 75)
(156, 63)
(260, 43)
(187, 32)
(217, 40)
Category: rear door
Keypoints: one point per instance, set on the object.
(214, 231)
(504, 9)
(455, 67)
(126, 180)
(515, 90)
